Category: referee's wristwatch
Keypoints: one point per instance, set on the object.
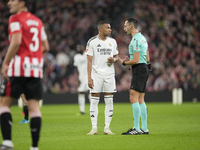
(124, 63)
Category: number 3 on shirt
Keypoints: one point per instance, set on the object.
(34, 47)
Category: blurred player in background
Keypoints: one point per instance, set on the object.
(0, 107)
(139, 57)
(25, 110)
(22, 69)
(80, 61)
(101, 53)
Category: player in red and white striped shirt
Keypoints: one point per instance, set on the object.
(22, 69)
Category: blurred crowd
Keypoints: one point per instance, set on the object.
(172, 29)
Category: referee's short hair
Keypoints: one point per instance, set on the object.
(102, 22)
(132, 21)
(26, 2)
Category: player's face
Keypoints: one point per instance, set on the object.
(80, 48)
(106, 29)
(127, 28)
(14, 6)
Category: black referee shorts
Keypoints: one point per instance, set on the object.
(31, 87)
(140, 73)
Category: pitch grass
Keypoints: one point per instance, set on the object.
(171, 127)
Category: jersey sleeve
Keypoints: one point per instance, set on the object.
(14, 25)
(89, 49)
(75, 60)
(115, 52)
(136, 45)
(43, 34)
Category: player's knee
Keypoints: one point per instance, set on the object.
(95, 94)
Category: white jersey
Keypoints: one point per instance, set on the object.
(101, 51)
(80, 61)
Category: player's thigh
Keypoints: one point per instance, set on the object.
(98, 84)
(33, 88)
(109, 85)
(13, 87)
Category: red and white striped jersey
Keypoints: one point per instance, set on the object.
(28, 61)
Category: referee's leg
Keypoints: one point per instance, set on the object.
(134, 96)
(143, 109)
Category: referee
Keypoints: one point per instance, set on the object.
(139, 58)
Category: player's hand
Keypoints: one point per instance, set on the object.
(110, 60)
(90, 83)
(4, 71)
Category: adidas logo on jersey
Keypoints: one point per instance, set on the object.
(98, 45)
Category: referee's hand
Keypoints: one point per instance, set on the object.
(149, 66)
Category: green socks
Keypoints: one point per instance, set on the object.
(143, 109)
(136, 115)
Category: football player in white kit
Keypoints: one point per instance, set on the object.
(101, 53)
(80, 61)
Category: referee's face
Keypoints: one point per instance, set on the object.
(127, 28)
(106, 29)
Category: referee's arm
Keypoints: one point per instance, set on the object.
(148, 61)
(133, 61)
(147, 57)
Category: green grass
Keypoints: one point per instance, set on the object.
(171, 127)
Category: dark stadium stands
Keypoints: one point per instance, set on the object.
(172, 28)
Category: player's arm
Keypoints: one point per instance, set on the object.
(45, 43)
(89, 71)
(16, 40)
(113, 59)
(45, 46)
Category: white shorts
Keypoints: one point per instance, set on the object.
(105, 84)
(83, 87)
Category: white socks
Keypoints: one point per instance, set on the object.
(108, 110)
(34, 148)
(8, 143)
(81, 102)
(94, 111)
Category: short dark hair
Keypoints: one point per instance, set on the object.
(132, 21)
(26, 2)
(102, 22)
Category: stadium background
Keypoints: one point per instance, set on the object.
(172, 29)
